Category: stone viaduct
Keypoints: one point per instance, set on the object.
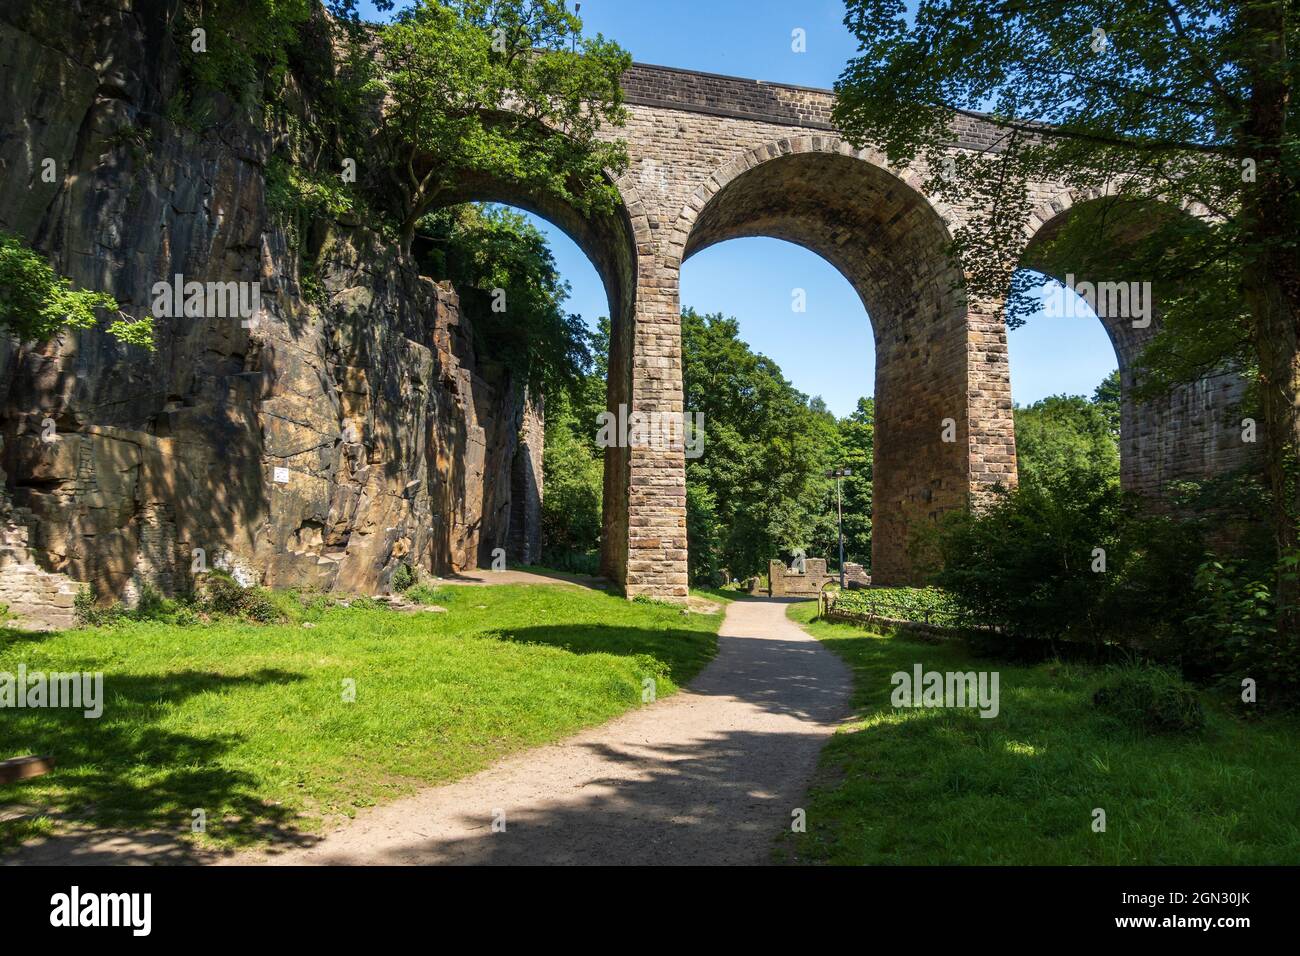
(714, 158)
(340, 439)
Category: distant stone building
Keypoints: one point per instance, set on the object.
(785, 582)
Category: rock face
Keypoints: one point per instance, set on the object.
(316, 443)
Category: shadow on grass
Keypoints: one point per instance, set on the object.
(943, 785)
(681, 651)
(10, 636)
(715, 801)
(126, 770)
(485, 576)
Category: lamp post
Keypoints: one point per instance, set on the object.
(838, 474)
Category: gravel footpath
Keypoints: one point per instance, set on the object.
(709, 775)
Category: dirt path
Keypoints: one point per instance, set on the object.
(709, 775)
(482, 576)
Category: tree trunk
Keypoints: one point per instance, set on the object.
(1271, 283)
(1277, 343)
(407, 234)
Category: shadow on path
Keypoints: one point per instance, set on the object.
(711, 775)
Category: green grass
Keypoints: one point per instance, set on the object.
(934, 786)
(249, 723)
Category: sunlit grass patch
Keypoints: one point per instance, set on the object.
(940, 785)
(250, 723)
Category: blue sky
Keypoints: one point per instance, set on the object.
(826, 350)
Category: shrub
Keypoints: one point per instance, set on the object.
(402, 578)
(89, 614)
(1232, 633)
(260, 608)
(1150, 699)
(1025, 565)
(922, 605)
(220, 593)
(150, 606)
(423, 594)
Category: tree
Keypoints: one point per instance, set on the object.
(36, 303)
(1106, 396)
(505, 274)
(574, 483)
(857, 451)
(1165, 103)
(574, 465)
(1065, 435)
(767, 446)
(478, 92)
(1074, 560)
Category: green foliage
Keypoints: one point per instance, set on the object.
(856, 450)
(247, 43)
(1160, 109)
(1107, 396)
(760, 483)
(220, 594)
(922, 605)
(703, 535)
(87, 611)
(482, 249)
(297, 196)
(424, 594)
(150, 603)
(574, 467)
(1063, 435)
(1150, 699)
(574, 477)
(1180, 119)
(1025, 564)
(496, 92)
(402, 579)
(1232, 633)
(36, 303)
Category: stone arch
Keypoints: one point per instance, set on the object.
(876, 226)
(610, 241)
(605, 238)
(1187, 434)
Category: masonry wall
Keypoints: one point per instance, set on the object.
(700, 146)
(398, 445)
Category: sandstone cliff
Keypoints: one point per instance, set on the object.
(395, 445)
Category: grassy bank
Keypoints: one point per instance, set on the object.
(927, 786)
(250, 724)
